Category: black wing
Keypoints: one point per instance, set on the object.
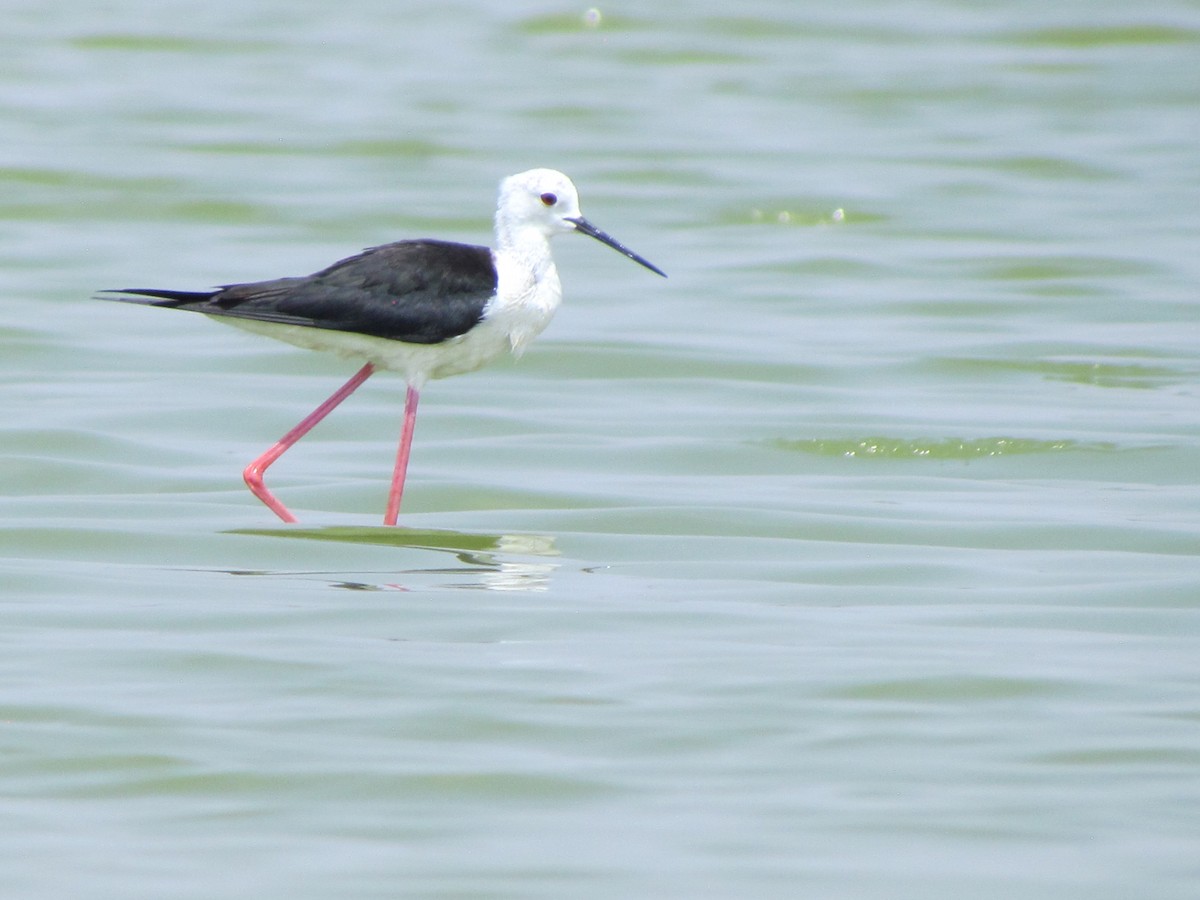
(420, 292)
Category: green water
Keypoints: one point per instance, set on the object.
(858, 559)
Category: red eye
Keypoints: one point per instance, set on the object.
(549, 199)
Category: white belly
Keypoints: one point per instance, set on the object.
(417, 362)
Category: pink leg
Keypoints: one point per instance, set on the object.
(406, 436)
(254, 472)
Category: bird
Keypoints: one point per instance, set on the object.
(423, 308)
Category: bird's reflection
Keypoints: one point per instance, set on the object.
(486, 561)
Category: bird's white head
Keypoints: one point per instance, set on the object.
(541, 199)
(541, 203)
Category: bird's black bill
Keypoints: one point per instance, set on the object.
(584, 226)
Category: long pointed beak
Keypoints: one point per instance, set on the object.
(584, 226)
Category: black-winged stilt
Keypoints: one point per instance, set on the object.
(424, 308)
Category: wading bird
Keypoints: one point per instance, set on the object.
(423, 308)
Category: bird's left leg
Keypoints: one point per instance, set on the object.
(254, 472)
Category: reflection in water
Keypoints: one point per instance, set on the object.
(486, 559)
(504, 575)
(424, 538)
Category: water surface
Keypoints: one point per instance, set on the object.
(859, 559)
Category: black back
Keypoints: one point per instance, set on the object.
(419, 292)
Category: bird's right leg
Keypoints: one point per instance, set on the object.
(253, 473)
(406, 436)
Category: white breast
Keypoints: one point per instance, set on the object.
(527, 296)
